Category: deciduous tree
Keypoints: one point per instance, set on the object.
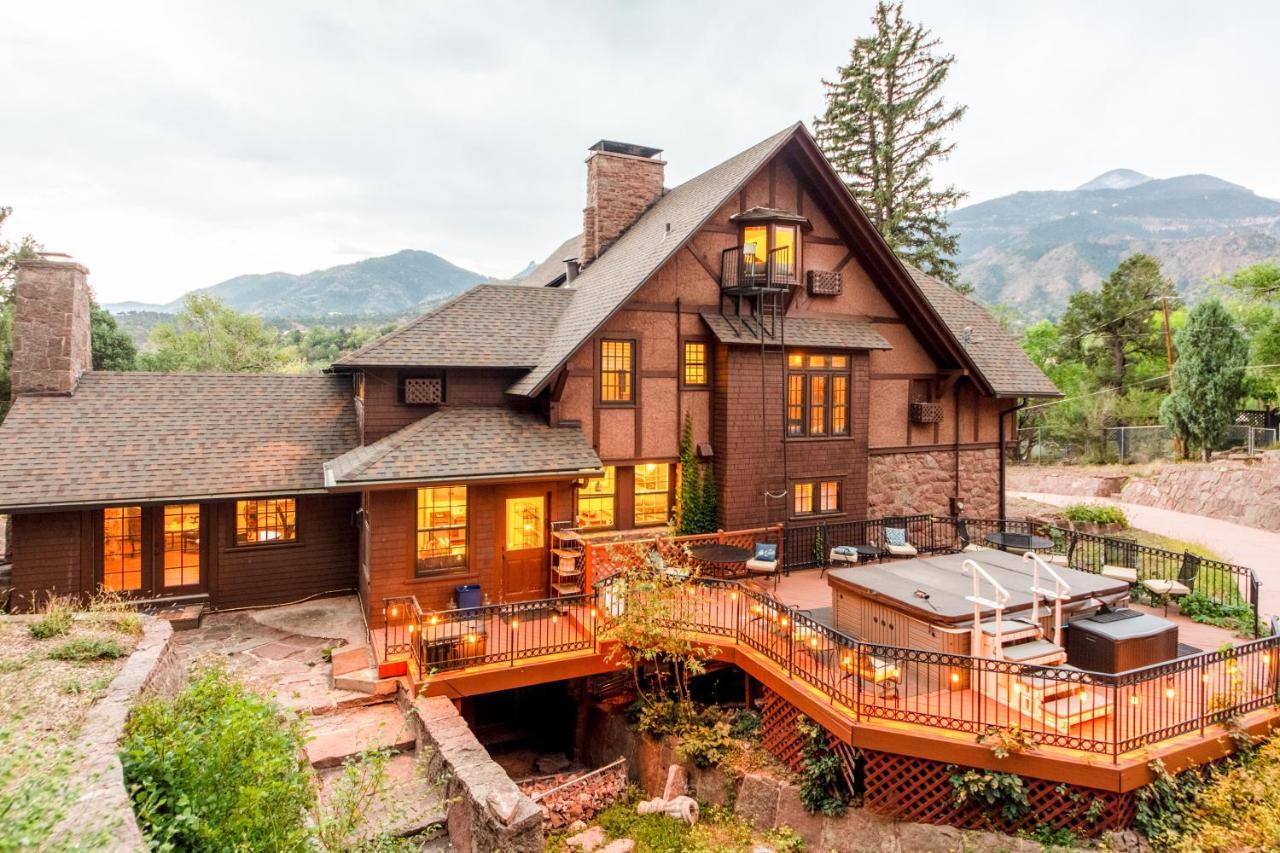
(884, 129)
(208, 335)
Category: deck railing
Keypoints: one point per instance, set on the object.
(1099, 713)
(745, 272)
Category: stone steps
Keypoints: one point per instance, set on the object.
(366, 681)
(345, 733)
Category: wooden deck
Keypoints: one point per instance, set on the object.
(931, 705)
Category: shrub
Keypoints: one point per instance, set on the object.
(1095, 514)
(706, 743)
(991, 790)
(822, 787)
(217, 768)
(746, 724)
(1238, 616)
(83, 649)
(55, 619)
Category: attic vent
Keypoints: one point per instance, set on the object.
(824, 283)
(424, 392)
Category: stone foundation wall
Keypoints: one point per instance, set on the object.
(923, 482)
(486, 810)
(154, 667)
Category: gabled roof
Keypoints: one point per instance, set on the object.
(490, 325)
(609, 281)
(826, 331)
(994, 352)
(466, 443)
(173, 436)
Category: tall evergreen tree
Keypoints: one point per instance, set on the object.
(1208, 378)
(883, 129)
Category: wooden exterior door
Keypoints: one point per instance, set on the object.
(522, 544)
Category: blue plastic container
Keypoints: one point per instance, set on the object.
(468, 595)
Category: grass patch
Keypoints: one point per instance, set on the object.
(55, 619)
(82, 649)
(114, 611)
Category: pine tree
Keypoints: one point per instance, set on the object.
(883, 129)
(1208, 378)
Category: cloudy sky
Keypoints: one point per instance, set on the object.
(172, 145)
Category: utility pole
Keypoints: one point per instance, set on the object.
(1168, 355)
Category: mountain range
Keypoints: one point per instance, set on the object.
(1032, 250)
(402, 284)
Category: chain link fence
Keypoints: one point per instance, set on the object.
(1126, 444)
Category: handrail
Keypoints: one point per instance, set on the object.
(1060, 589)
(1001, 599)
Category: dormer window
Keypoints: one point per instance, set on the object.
(768, 252)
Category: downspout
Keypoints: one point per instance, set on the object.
(1003, 452)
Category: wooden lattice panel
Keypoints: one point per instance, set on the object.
(780, 735)
(919, 790)
(424, 391)
(824, 282)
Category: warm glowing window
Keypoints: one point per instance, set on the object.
(617, 372)
(597, 500)
(695, 363)
(819, 497)
(122, 548)
(266, 521)
(442, 529)
(525, 527)
(755, 243)
(653, 493)
(817, 394)
(777, 245)
(829, 496)
(784, 250)
(803, 498)
(181, 527)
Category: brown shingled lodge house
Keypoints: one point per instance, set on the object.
(825, 379)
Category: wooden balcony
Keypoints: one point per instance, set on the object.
(746, 275)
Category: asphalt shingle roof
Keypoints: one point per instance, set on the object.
(490, 325)
(167, 436)
(659, 233)
(996, 354)
(828, 331)
(466, 443)
(552, 268)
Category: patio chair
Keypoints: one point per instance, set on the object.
(846, 554)
(764, 561)
(1165, 590)
(895, 542)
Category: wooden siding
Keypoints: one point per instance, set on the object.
(323, 559)
(384, 413)
(48, 550)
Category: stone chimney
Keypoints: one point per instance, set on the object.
(622, 181)
(50, 325)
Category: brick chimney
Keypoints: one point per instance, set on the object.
(50, 325)
(622, 181)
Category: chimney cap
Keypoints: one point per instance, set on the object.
(611, 147)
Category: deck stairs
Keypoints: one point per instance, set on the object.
(1037, 683)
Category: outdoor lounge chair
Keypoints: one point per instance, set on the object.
(967, 545)
(764, 561)
(896, 544)
(1163, 591)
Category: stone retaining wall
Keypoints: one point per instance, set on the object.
(1240, 491)
(486, 810)
(154, 667)
(766, 801)
(923, 482)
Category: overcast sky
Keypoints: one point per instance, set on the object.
(172, 145)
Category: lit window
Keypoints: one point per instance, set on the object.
(803, 498)
(755, 244)
(442, 529)
(653, 493)
(597, 500)
(695, 363)
(266, 521)
(181, 524)
(617, 372)
(817, 394)
(122, 548)
(771, 248)
(829, 498)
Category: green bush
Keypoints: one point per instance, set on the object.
(991, 790)
(706, 743)
(1199, 607)
(822, 786)
(83, 649)
(217, 768)
(1095, 514)
(706, 738)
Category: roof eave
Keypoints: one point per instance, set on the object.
(390, 483)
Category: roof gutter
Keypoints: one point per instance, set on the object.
(562, 474)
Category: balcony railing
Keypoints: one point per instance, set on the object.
(743, 274)
(1099, 713)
